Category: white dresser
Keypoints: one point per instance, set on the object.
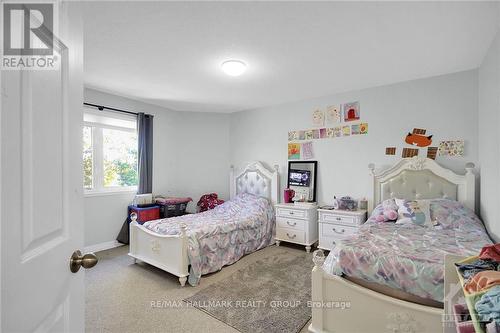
(336, 224)
(297, 224)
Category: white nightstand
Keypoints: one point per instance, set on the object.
(297, 224)
(336, 224)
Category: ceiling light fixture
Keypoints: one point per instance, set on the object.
(234, 67)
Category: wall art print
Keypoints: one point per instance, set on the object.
(333, 115)
(318, 118)
(451, 148)
(351, 111)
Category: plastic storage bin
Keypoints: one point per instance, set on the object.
(145, 214)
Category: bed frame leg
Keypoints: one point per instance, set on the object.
(135, 261)
(182, 280)
(308, 248)
(277, 243)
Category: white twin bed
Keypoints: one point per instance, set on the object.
(390, 277)
(197, 244)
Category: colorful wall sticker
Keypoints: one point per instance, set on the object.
(322, 133)
(337, 132)
(451, 148)
(351, 111)
(418, 138)
(293, 135)
(316, 134)
(302, 135)
(409, 152)
(329, 133)
(294, 151)
(390, 151)
(432, 152)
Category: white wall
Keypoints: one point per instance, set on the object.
(446, 106)
(191, 157)
(489, 139)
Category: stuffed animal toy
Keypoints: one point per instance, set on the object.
(389, 211)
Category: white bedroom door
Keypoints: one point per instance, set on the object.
(41, 182)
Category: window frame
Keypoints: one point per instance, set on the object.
(98, 187)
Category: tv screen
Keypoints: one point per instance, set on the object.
(299, 178)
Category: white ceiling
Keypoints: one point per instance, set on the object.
(169, 53)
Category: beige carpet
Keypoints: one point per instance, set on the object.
(123, 297)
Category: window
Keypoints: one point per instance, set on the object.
(109, 152)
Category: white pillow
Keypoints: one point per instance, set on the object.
(415, 211)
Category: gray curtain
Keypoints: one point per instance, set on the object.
(145, 132)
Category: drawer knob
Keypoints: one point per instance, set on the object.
(291, 224)
(291, 237)
(339, 219)
(291, 213)
(339, 232)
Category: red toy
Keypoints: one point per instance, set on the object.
(208, 201)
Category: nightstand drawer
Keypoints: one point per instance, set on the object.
(327, 243)
(336, 218)
(337, 231)
(291, 223)
(290, 212)
(290, 235)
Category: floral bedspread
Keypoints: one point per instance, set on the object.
(410, 257)
(223, 235)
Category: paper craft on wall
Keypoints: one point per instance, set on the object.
(432, 152)
(307, 150)
(308, 135)
(294, 151)
(409, 152)
(418, 138)
(351, 111)
(318, 118)
(316, 134)
(337, 132)
(322, 133)
(302, 135)
(293, 135)
(333, 115)
(390, 151)
(329, 133)
(451, 148)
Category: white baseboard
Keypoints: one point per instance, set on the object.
(102, 246)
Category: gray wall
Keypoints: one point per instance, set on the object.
(193, 151)
(445, 105)
(191, 157)
(489, 139)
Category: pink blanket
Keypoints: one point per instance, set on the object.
(172, 200)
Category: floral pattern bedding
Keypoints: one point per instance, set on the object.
(223, 235)
(410, 257)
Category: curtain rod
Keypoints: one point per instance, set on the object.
(102, 107)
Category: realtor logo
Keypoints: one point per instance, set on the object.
(28, 36)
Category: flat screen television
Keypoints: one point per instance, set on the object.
(299, 178)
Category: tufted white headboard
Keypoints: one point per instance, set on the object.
(255, 179)
(423, 178)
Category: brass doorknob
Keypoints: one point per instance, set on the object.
(88, 260)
